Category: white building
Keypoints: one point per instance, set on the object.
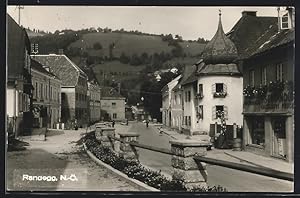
(216, 84)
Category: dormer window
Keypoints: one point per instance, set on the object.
(287, 18)
(285, 21)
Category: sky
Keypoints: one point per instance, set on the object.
(188, 22)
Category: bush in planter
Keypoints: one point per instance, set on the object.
(248, 92)
(136, 170)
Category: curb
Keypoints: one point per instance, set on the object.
(249, 162)
(140, 185)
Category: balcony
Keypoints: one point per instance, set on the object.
(276, 97)
(199, 96)
(220, 94)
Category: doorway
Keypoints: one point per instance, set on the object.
(279, 137)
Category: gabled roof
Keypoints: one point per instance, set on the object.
(17, 41)
(62, 67)
(280, 38)
(110, 92)
(39, 67)
(248, 33)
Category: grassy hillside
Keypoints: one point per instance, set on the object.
(130, 44)
(116, 70)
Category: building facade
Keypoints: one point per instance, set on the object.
(269, 95)
(166, 113)
(94, 97)
(46, 97)
(74, 100)
(215, 86)
(19, 87)
(112, 105)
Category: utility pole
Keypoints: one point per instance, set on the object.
(19, 19)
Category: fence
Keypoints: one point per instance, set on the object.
(188, 157)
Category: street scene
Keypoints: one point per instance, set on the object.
(182, 104)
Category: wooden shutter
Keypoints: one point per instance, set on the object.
(224, 88)
(226, 112)
(213, 89)
(214, 112)
(201, 111)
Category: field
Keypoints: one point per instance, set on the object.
(130, 44)
(114, 69)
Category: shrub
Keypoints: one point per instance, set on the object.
(136, 170)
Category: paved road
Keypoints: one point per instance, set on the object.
(233, 180)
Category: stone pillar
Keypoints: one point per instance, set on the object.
(186, 169)
(103, 136)
(126, 150)
(289, 129)
(269, 136)
(234, 131)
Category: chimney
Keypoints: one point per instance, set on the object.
(249, 13)
(60, 51)
(291, 12)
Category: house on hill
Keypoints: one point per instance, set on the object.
(74, 100)
(19, 87)
(46, 97)
(112, 104)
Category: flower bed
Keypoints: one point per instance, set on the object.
(136, 170)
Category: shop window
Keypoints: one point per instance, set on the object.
(279, 128)
(258, 131)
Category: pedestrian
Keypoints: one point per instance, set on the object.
(113, 123)
(127, 122)
(147, 123)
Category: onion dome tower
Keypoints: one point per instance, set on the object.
(220, 49)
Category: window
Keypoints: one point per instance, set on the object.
(114, 115)
(219, 108)
(175, 100)
(41, 90)
(264, 75)
(258, 131)
(251, 78)
(113, 104)
(200, 112)
(46, 92)
(36, 90)
(50, 93)
(189, 121)
(219, 88)
(200, 90)
(279, 72)
(189, 96)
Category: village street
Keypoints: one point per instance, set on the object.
(233, 180)
(60, 155)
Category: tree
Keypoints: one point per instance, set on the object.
(97, 46)
(124, 59)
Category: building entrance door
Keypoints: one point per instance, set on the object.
(279, 137)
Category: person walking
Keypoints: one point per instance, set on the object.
(113, 123)
(147, 123)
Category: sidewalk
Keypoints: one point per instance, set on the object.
(238, 156)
